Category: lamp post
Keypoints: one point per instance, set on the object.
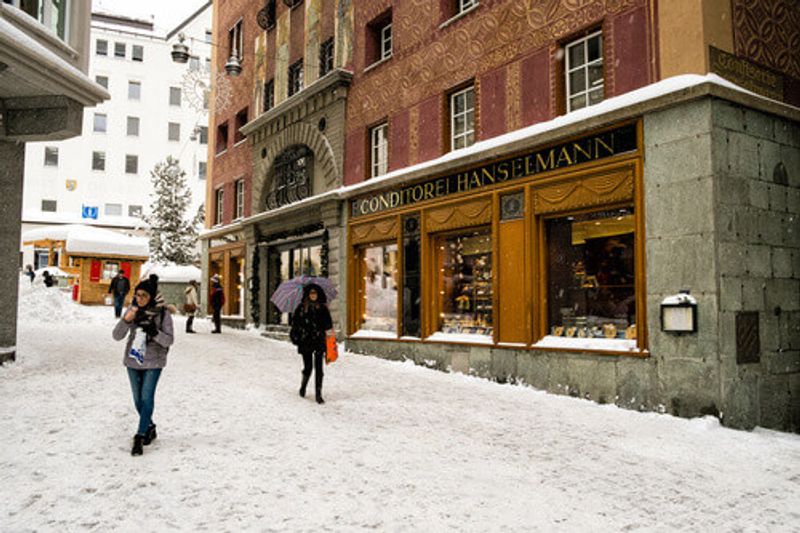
(180, 54)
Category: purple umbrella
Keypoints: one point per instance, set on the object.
(289, 294)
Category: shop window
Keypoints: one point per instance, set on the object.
(379, 150)
(462, 118)
(380, 288)
(465, 283)
(584, 72)
(326, 57)
(51, 156)
(590, 275)
(296, 77)
(110, 269)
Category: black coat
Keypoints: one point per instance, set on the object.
(120, 286)
(309, 327)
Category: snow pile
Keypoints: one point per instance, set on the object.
(171, 273)
(53, 271)
(90, 240)
(40, 304)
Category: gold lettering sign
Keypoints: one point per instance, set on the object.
(591, 148)
(746, 73)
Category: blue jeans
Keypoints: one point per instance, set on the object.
(119, 303)
(143, 387)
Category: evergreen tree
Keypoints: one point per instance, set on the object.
(172, 236)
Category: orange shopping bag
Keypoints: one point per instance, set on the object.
(331, 349)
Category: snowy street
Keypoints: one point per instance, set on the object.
(396, 447)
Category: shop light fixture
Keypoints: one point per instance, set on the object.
(679, 313)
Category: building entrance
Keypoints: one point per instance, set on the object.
(289, 261)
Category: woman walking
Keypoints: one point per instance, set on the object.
(310, 324)
(190, 307)
(148, 325)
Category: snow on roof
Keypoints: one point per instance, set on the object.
(171, 273)
(90, 240)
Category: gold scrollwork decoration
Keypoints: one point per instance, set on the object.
(586, 192)
(476, 213)
(382, 230)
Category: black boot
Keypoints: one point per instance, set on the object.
(150, 436)
(303, 385)
(318, 383)
(137, 449)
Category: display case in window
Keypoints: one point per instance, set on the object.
(465, 284)
(380, 288)
(591, 277)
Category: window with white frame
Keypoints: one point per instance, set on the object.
(174, 131)
(218, 205)
(50, 156)
(464, 5)
(131, 164)
(175, 96)
(202, 169)
(209, 36)
(240, 199)
(462, 118)
(134, 90)
(53, 14)
(101, 47)
(49, 206)
(386, 41)
(100, 122)
(584, 72)
(235, 41)
(119, 50)
(102, 80)
(379, 150)
(137, 53)
(98, 160)
(110, 269)
(113, 210)
(134, 211)
(133, 126)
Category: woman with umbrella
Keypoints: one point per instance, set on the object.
(306, 297)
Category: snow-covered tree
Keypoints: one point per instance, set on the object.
(172, 235)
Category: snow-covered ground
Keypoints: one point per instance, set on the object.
(396, 447)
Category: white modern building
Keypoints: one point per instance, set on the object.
(158, 108)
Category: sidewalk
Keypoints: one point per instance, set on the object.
(396, 447)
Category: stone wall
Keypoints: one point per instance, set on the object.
(757, 177)
(12, 155)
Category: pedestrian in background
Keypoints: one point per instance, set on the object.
(30, 273)
(119, 288)
(217, 301)
(190, 307)
(310, 324)
(148, 325)
(49, 281)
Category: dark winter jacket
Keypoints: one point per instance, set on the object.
(310, 322)
(120, 286)
(217, 296)
(156, 322)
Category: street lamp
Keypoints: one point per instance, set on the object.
(180, 54)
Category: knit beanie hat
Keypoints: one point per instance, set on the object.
(150, 285)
